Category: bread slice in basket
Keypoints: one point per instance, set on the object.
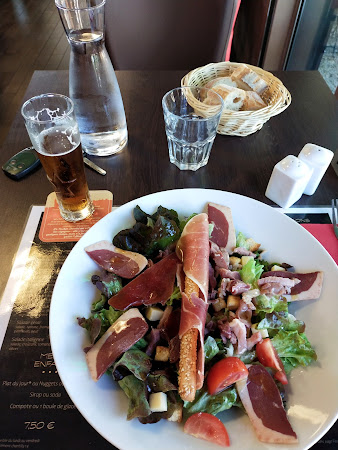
(240, 91)
(242, 122)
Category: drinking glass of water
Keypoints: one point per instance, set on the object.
(191, 117)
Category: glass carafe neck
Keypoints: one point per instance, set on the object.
(82, 18)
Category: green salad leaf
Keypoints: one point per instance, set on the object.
(140, 215)
(108, 283)
(112, 314)
(275, 321)
(294, 349)
(176, 295)
(159, 382)
(136, 393)
(165, 232)
(267, 304)
(136, 361)
(134, 239)
(92, 325)
(98, 304)
(112, 285)
(212, 404)
(107, 317)
(241, 241)
(248, 356)
(150, 233)
(143, 217)
(211, 349)
(100, 319)
(251, 272)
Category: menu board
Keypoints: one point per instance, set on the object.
(36, 411)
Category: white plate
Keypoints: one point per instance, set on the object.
(312, 391)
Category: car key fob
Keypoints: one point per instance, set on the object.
(22, 163)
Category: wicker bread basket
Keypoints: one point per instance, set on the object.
(240, 123)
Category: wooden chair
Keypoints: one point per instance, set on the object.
(168, 34)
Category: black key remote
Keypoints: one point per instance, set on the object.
(21, 164)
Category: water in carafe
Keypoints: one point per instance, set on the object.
(92, 81)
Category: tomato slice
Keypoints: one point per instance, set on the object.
(208, 427)
(267, 355)
(281, 376)
(224, 373)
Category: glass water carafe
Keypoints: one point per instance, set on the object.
(93, 86)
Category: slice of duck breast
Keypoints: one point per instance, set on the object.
(309, 288)
(129, 328)
(113, 259)
(223, 233)
(154, 285)
(263, 404)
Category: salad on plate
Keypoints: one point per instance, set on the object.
(191, 320)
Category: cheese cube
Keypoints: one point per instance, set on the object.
(158, 402)
(153, 313)
(246, 259)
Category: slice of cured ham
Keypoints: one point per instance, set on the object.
(193, 250)
(276, 285)
(239, 329)
(193, 315)
(237, 287)
(113, 259)
(263, 404)
(123, 334)
(220, 257)
(309, 288)
(154, 285)
(223, 233)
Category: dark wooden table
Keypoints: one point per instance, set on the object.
(237, 164)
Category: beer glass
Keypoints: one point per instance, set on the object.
(53, 130)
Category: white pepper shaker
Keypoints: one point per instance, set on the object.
(288, 181)
(317, 158)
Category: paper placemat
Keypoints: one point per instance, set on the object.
(36, 411)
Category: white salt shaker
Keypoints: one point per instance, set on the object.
(317, 158)
(288, 181)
